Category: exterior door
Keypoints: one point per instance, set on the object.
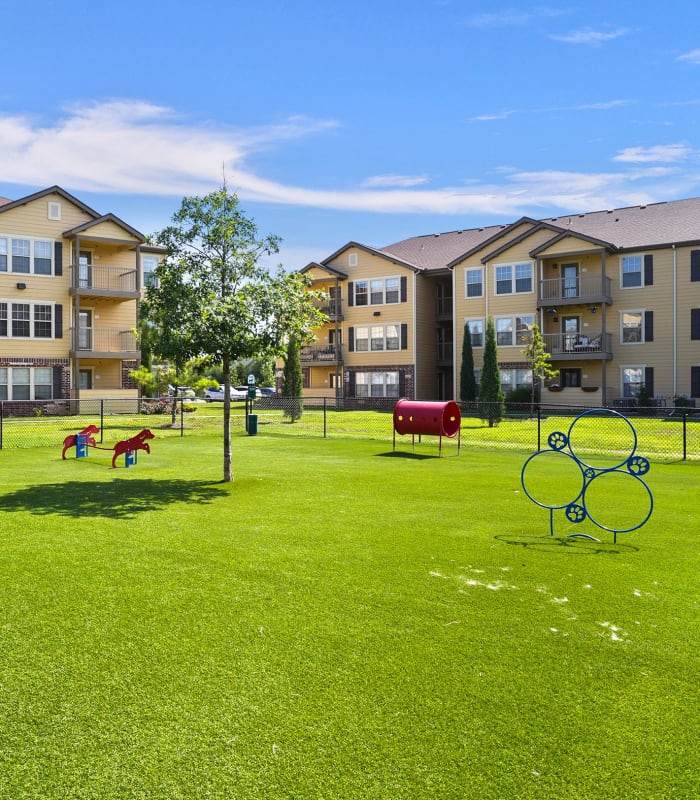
(570, 328)
(569, 280)
(85, 269)
(85, 330)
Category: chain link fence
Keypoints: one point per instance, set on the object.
(657, 433)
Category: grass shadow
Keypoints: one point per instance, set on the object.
(568, 544)
(399, 454)
(117, 499)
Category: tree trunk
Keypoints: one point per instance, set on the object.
(228, 466)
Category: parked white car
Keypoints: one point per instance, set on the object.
(217, 394)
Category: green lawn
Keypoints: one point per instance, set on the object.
(341, 622)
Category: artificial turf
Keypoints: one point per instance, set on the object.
(343, 621)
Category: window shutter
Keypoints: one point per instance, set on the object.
(58, 321)
(351, 293)
(351, 384)
(695, 323)
(648, 326)
(648, 270)
(402, 383)
(695, 265)
(58, 258)
(404, 289)
(351, 340)
(404, 336)
(649, 380)
(57, 382)
(695, 381)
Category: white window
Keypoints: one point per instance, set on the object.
(54, 210)
(361, 293)
(632, 381)
(384, 337)
(512, 379)
(512, 331)
(631, 272)
(25, 383)
(26, 256)
(352, 259)
(384, 290)
(632, 327)
(513, 278)
(376, 384)
(476, 329)
(361, 338)
(24, 320)
(148, 267)
(474, 282)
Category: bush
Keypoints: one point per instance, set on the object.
(155, 406)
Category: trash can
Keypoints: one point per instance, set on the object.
(252, 424)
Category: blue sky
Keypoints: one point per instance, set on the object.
(366, 121)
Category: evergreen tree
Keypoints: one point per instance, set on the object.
(292, 382)
(467, 381)
(491, 396)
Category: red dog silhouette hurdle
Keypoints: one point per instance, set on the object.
(137, 442)
(72, 440)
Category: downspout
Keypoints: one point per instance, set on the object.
(675, 320)
(603, 332)
(75, 333)
(414, 335)
(338, 345)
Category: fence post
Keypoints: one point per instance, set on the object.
(324, 418)
(539, 426)
(182, 417)
(685, 434)
(2, 416)
(102, 418)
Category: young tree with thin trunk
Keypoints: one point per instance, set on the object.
(538, 359)
(213, 298)
(491, 396)
(467, 381)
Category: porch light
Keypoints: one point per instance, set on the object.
(594, 309)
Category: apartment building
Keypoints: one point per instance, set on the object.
(70, 282)
(616, 294)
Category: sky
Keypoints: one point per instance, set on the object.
(364, 121)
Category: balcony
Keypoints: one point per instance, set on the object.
(443, 308)
(90, 280)
(332, 308)
(444, 352)
(321, 353)
(581, 290)
(578, 347)
(99, 342)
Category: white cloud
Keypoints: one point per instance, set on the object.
(590, 36)
(666, 153)
(140, 149)
(510, 17)
(604, 105)
(692, 57)
(380, 181)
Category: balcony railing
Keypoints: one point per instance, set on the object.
(578, 346)
(443, 308)
(316, 353)
(332, 308)
(91, 279)
(103, 341)
(444, 352)
(579, 289)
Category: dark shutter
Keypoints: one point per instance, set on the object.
(404, 336)
(648, 326)
(695, 323)
(351, 340)
(351, 293)
(404, 289)
(649, 381)
(58, 321)
(648, 270)
(402, 383)
(57, 382)
(58, 258)
(695, 381)
(351, 384)
(695, 265)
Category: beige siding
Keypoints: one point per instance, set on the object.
(426, 299)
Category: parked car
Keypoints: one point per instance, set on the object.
(267, 391)
(217, 394)
(244, 391)
(181, 391)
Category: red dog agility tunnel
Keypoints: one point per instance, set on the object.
(431, 419)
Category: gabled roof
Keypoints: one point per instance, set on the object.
(375, 252)
(43, 193)
(536, 228)
(325, 267)
(574, 235)
(104, 218)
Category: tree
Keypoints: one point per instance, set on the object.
(292, 382)
(538, 359)
(491, 395)
(213, 298)
(467, 381)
